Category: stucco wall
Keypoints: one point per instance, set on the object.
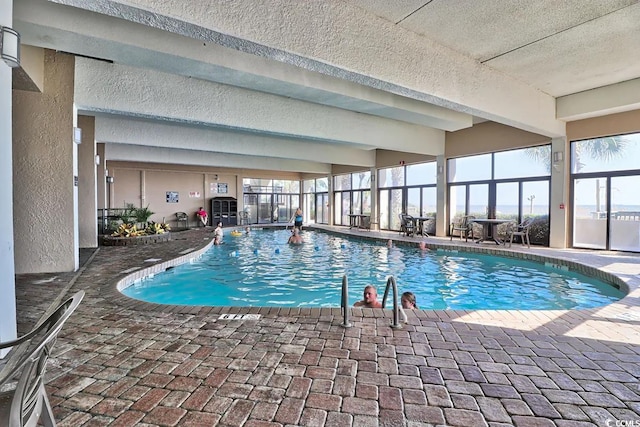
(147, 184)
(614, 124)
(43, 171)
(488, 137)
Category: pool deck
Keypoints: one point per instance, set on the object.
(120, 362)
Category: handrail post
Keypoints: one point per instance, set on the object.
(345, 302)
(391, 282)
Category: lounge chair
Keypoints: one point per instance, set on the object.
(27, 402)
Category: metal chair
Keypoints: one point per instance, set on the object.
(465, 226)
(407, 225)
(27, 403)
(182, 217)
(521, 230)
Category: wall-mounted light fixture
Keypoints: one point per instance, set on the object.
(77, 135)
(10, 46)
(558, 156)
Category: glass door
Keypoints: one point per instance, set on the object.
(625, 214)
(265, 209)
(322, 208)
(395, 208)
(590, 213)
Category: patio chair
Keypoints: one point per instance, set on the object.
(521, 230)
(464, 226)
(182, 217)
(27, 402)
(407, 225)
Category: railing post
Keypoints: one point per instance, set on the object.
(345, 302)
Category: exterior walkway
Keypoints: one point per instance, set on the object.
(120, 362)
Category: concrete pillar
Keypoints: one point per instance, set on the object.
(101, 176)
(7, 272)
(330, 195)
(87, 184)
(44, 172)
(558, 212)
(375, 210)
(441, 196)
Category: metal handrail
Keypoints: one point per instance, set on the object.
(391, 282)
(345, 302)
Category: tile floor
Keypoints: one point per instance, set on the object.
(120, 362)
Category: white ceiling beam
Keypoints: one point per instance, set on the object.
(138, 153)
(616, 98)
(354, 45)
(119, 130)
(123, 90)
(75, 30)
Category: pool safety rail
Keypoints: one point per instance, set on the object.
(397, 310)
(344, 305)
(391, 283)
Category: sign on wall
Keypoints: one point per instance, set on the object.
(219, 188)
(172, 197)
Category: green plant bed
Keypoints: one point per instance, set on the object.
(135, 240)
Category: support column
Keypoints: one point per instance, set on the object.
(441, 196)
(87, 184)
(43, 163)
(558, 216)
(330, 193)
(375, 211)
(7, 273)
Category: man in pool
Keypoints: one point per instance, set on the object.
(218, 234)
(370, 298)
(295, 238)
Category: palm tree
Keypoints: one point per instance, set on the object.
(604, 149)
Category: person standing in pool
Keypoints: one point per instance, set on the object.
(297, 219)
(370, 298)
(295, 238)
(218, 234)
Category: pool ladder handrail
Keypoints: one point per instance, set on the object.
(391, 283)
(344, 305)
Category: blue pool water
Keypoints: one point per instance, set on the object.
(262, 270)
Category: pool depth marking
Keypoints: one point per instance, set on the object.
(229, 316)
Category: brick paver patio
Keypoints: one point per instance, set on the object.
(120, 362)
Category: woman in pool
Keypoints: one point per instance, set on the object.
(297, 217)
(408, 300)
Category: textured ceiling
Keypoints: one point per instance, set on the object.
(560, 47)
(524, 54)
